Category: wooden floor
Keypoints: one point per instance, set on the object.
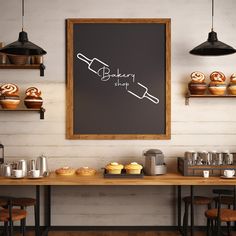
(117, 233)
(114, 233)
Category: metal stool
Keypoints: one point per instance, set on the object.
(197, 200)
(220, 214)
(225, 200)
(23, 203)
(9, 215)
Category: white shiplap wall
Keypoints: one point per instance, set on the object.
(204, 125)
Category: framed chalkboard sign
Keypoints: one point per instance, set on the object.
(118, 79)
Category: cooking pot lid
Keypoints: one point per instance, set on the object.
(153, 152)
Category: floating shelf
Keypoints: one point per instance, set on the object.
(41, 67)
(41, 111)
(188, 96)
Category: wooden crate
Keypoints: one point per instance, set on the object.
(197, 170)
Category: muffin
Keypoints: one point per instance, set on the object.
(114, 168)
(33, 99)
(9, 96)
(217, 85)
(133, 168)
(232, 84)
(85, 171)
(197, 85)
(65, 171)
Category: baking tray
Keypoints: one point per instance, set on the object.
(123, 175)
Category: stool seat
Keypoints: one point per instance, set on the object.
(3, 202)
(225, 200)
(17, 214)
(23, 202)
(198, 200)
(226, 215)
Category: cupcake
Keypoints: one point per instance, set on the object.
(33, 99)
(232, 84)
(9, 96)
(217, 85)
(197, 85)
(133, 168)
(114, 168)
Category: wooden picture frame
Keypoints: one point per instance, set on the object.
(86, 33)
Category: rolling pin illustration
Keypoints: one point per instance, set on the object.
(93, 64)
(140, 91)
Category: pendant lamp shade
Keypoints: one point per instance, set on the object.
(22, 46)
(212, 47)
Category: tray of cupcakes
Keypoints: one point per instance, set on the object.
(216, 87)
(116, 170)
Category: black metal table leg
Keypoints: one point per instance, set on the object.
(179, 192)
(37, 211)
(192, 210)
(234, 205)
(47, 209)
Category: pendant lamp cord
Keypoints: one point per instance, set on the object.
(212, 15)
(23, 13)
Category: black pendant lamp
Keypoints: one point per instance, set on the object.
(212, 47)
(22, 46)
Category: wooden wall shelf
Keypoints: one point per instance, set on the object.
(41, 67)
(41, 111)
(188, 96)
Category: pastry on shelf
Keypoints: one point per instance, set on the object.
(217, 85)
(33, 99)
(232, 84)
(133, 168)
(197, 85)
(9, 96)
(114, 168)
(18, 59)
(85, 171)
(65, 171)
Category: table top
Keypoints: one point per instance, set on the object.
(98, 179)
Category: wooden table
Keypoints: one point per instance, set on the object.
(174, 179)
(170, 179)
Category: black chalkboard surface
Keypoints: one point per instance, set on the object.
(118, 78)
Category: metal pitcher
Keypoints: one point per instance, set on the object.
(42, 165)
(32, 165)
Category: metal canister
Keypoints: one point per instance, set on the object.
(6, 170)
(203, 157)
(234, 157)
(227, 158)
(219, 157)
(191, 157)
(213, 158)
(22, 165)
